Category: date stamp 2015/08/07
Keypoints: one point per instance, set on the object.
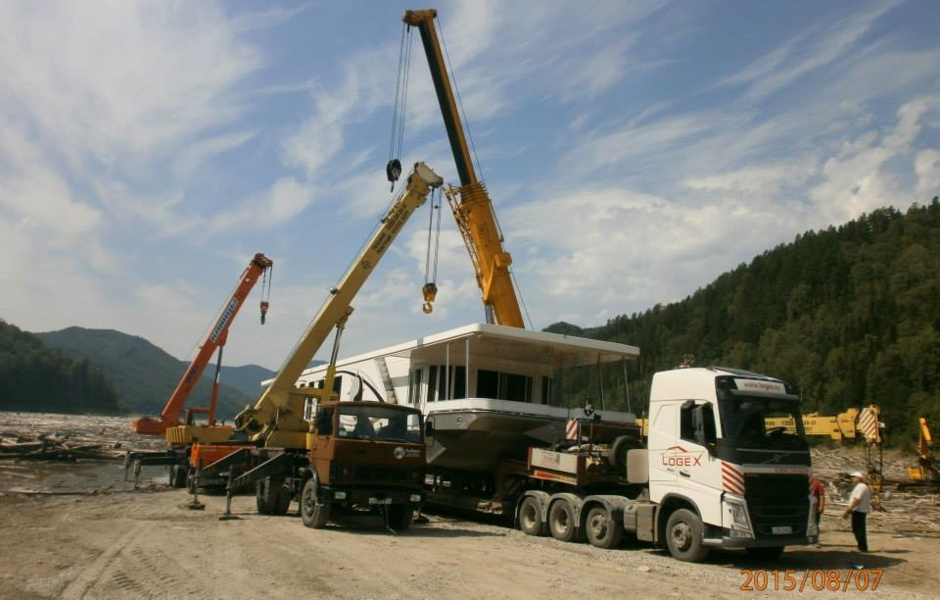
(790, 580)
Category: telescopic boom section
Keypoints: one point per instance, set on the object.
(470, 203)
(215, 340)
(277, 416)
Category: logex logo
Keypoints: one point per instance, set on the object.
(677, 456)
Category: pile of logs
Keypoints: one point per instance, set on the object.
(56, 447)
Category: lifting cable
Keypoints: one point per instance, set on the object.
(396, 141)
(430, 264)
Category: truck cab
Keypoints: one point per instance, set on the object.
(364, 456)
(719, 474)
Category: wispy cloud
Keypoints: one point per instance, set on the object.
(807, 51)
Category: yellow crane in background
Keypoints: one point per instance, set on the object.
(470, 203)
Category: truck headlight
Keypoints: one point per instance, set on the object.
(736, 519)
(415, 498)
(738, 516)
(339, 495)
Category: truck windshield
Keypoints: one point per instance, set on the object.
(373, 421)
(745, 417)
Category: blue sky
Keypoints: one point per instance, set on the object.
(634, 151)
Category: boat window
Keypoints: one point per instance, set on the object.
(546, 390)
(414, 386)
(432, 383)
(517, 387)
(504, 386)
(487, 384)
(459, 383)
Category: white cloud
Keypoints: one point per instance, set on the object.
(927, 167)
(858, 179)
(807, 51)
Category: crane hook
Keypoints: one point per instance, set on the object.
(264, 310)
(430, 293)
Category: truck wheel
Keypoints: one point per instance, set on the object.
(271, 497)
(284, 498)
(771, 553)
(400, 516)
(178, 476)
(313, 514)
(530, 516)
(601, 529)
(562, 522)
(684, 536)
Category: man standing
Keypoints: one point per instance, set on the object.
(859, 507)
(817, 491)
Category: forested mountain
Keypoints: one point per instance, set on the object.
(34, 377)
(144, 376)
(850, 314)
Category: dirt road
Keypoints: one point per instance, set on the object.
(147, 545)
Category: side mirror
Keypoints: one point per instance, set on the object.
(429, 428)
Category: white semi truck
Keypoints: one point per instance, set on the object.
(710, 475)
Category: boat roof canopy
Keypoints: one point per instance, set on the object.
(509, 343)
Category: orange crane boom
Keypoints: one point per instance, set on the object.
(471, 204)
(215, 340)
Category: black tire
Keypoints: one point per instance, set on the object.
(272, 497)
(601, 529)
(284, 498)
(684, 536)
(767, 553)
(178, 476)
(530, 516)
(561, 521)
(400, 516)
(312, 513)
(618, 450)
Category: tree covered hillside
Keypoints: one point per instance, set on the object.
(143, 374)
(850, 314)
(36, 378)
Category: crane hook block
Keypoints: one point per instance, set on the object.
(393, 171)
(264, 310)
(430, 293)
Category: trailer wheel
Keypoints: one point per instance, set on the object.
(767, 553)
(601, 529)
(400, 516)
(272, 497)
(530, 516)
(312, 513)
(684, 536)
(562, 522)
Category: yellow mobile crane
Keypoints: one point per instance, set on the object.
(471, 204)
(352, 456)
(276, 419)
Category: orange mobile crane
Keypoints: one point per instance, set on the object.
(471, 204)
(215, 340)
(181, 433)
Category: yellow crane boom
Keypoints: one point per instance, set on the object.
(277, 416)
(470, 203)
